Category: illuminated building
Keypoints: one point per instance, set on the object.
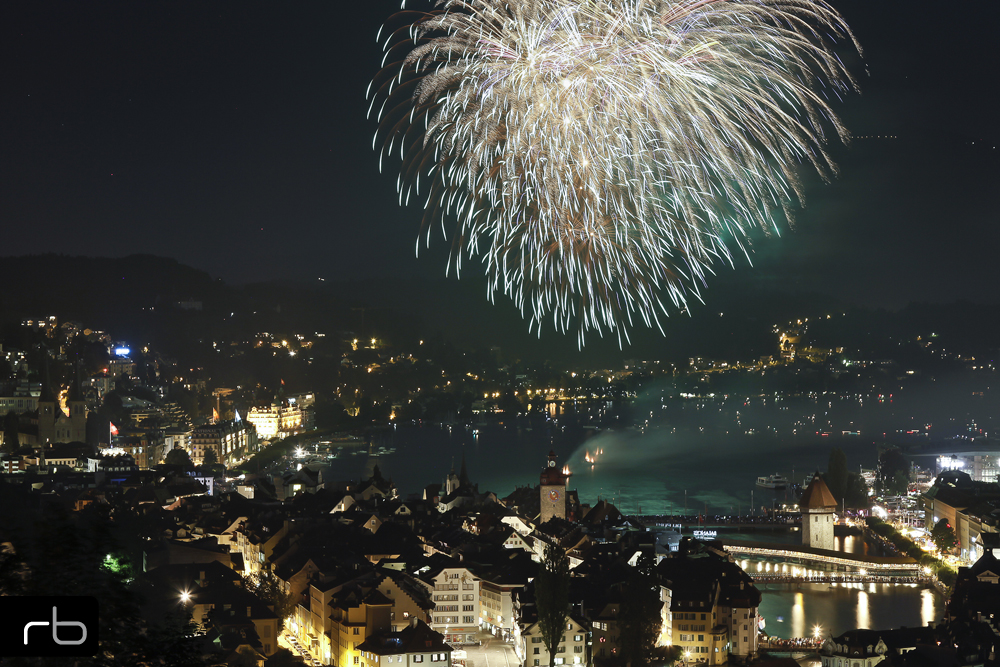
(232, 441)
(416, 643)
(553, 490)
(55, 425)
(713, 605)
(276, 419)
(817, 505)
(572, 649)
(456, 602)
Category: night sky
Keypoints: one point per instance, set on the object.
(233, 137)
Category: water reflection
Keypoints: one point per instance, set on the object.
(846, 607)
(798, 616)
(864, 613)
(928, 612)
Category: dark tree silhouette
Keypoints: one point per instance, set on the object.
(552, 598)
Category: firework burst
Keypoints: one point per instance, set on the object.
(600, 156)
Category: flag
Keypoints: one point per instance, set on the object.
(215, 414)
(112, 428)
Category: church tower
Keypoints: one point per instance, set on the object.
(77, 423)
(817, 506)
(552, 490)
(47, 406)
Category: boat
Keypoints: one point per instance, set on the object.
(775, 481)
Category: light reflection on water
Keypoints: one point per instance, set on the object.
(863, 617)
(793, 612)
(799, 616)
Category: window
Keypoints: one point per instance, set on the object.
(578, 638)
(468, 607)
(468, 619)
(356, 631)
(703, 615)
(356, 660)
(577, 649)
(535, 663)
(536, 640)
(536, 651)
(468, 596)
(418, 658)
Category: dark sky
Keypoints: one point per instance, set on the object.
(232, 136)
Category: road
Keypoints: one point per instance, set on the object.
(491, 653)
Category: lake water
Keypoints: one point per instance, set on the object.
(658, 472)
(661, 472)
(795, 610)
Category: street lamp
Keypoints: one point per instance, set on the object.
(817, 632)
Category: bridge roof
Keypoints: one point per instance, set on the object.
(804, 551)
(817, 495)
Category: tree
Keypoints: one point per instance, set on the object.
(282, 603)
(284, 658)
(210, 457)
(943, 536)
(11, 431)
(836, 473)
(890, 462)
(639, 619)
(856, 492)
(178, 457)
(552, 598)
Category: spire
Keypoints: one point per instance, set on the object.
(47, 396)
(463, 475)
(75, 389)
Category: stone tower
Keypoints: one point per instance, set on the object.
(552, 490)
(47, 406)
(817, 506)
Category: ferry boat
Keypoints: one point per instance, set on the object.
(775, 481)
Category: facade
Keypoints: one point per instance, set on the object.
(456, 595)
(572, 649)
(416, 645)
(552, 489)
(55, 425)
(277, 419)
(817, 505)
(19, 404)
(354, 617)
(713, 604)
(499, 610)
(967, 506)
(232, 441)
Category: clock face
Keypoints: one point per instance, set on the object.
(552, 464)
(554, 495)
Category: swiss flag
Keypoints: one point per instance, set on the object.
(114, 429)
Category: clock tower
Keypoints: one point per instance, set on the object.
(552, 490)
